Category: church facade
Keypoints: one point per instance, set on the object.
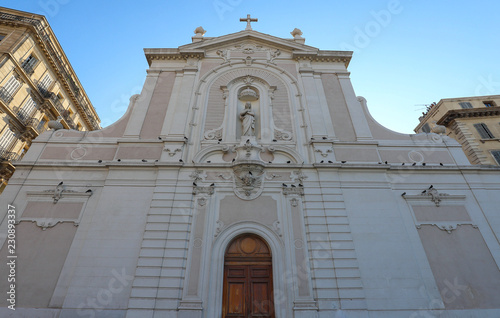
(248, 180)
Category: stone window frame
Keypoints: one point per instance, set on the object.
(484, 131)
(489, 103)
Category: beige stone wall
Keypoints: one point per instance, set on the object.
(477, 149)
(22, 42)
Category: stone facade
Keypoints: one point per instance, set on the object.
(134, 220)
(473, 121)
(37, 85)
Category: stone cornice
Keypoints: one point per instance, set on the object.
(172, 54)
(325, 56)
(468, 113)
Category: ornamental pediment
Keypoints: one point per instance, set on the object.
(250, 36)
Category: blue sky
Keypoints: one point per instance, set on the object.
(406, 52)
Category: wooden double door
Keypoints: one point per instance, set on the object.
(248, 279)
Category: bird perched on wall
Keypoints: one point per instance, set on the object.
(60, 183)
(343, 161)
(403, 194)
(284, 185)
(414, 164)
(425, 191)
(144, 160)
(431, 187)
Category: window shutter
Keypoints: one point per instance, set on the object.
(496, 155)
(46, 82)
(12, 85)
(29, 106)
(6, 140)
(483, 131)
(465, 105)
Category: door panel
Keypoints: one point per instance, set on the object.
(236, 298)
(248, 291)
(248, 279)
(260, 300)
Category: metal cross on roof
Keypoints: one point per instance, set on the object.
(248, 20)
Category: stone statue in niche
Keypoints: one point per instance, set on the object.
(247, 118)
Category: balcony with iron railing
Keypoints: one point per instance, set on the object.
(59, 64)
(60, 108)
(43, 90)
(28, 67)
(22, 114)
(6, 155)
(5, 95)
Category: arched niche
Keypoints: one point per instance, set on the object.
(222, 106)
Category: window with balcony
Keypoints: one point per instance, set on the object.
(483, 131)
(2, 36)
(44, 85)
(29, 64)
(489, 104)
(8, 90)
(25, 112)
(6, 140)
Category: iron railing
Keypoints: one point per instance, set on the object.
(28, 68)
(60, 65)
(5, 95)
(8, 155)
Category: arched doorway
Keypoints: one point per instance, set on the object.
(248, 279)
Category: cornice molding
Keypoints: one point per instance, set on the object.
(47, 41)
(172, 54)
(324, 56)
(468, 113)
